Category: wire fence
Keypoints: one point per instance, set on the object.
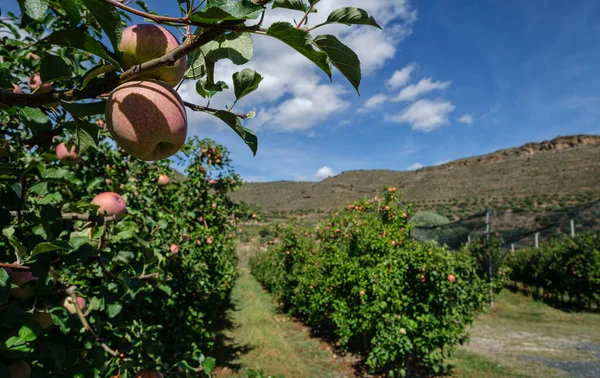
(519, 230)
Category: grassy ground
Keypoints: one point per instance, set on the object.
(271, 341)
(519, 338)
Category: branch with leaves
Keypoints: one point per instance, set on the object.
(98, 219)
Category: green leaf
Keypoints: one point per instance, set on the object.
(4, 286)
(27, 333)
(113, 309)
(54, 68)
(98, 71)
(196, 66)
(80, 40)
(298, 5)
(72, 10)
(342, 57)
(209, 365)
(47, 247)
(301, 41)
(33, 115)
(86, 134)
(35, 9)
(234, 122)
(245, 82)
(84, 109)
(221, 10)
(108, 18)
(237, 47)
(350, 16)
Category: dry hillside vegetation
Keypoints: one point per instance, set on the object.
(558, 173)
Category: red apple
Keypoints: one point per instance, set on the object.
(66, 155)
(214, 205)
(185, 237)
(147, 119)
(19, 369)
(212, 182)
(163, 180)
(68, 304)
(100, 123)
(451, 278)
(143, 42)
(209, 240)
(21, 279)
(110, 204)
(361, 293)
(174, 248)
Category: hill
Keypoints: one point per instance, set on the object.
(563, 172)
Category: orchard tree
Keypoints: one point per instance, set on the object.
(109, 265)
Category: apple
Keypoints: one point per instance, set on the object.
(198, 242)
(393, 243)
(44, 319)
(17, 89)
(147, 119)
(185, 237)
(66, 155)
(386, 208)
(451, 278)
(35, 82)
(110, 204)
(163, 180)
(148, 373)
(403, 331)
(361, 293)
(212, 182)
(100, 123)
(174, 248)
(19, 369)
(21, 279)
(214, 205)
(68, 304)
(209, 240)
(254, 216)
(143, 42)
(422, 278)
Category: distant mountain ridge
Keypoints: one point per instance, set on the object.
(562, 167)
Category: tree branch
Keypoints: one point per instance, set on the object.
(39, 99)
(86, 325)
(199, 108)
(99, 219)
(185, 20)
(14, 266)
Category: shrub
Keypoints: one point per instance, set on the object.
(362, 277)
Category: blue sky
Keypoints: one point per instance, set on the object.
(446, 79)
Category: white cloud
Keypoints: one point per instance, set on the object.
(415, 166)
(401, 77)
(323, 173)
(308, 97)
(374, 102)
(413, 91)
(467, 118)
(424, 115)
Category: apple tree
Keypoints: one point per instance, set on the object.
(111, 266)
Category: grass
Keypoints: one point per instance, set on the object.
(271, 341)
(510, 341)
(518, 329)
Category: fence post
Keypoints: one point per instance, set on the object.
(512, 247)
(537, 240)
(572, 228)
(487, 236)
(468, 239)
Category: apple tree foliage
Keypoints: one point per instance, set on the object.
(404, 305)
(155, 280)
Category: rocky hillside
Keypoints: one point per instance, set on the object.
(561, 172)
